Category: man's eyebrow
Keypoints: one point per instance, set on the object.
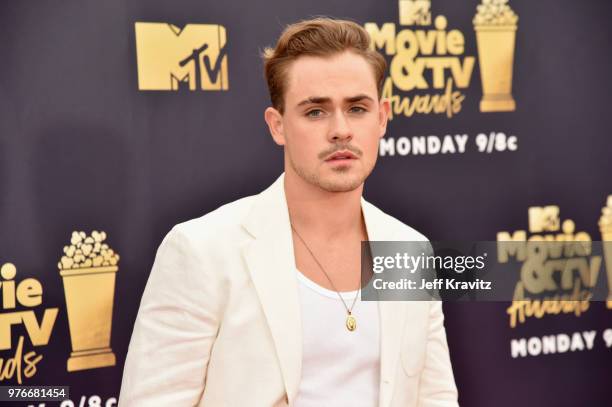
(358, 98)
(324, 99)
(314, 100)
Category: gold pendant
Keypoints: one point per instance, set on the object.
(351, 322)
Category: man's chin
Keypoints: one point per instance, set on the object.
(339, 179)
(340, 182)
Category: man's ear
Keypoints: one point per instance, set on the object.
(274, 119)
(383, 115)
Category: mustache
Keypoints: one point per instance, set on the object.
(339, 147)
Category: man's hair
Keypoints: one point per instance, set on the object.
(320, 37)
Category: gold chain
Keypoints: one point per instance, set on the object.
(348, 310)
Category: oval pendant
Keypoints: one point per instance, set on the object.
(351, 323)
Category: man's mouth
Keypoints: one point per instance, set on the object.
(341, 156)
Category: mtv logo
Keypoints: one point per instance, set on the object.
(170, 58)
(415, 12)
(543, 219)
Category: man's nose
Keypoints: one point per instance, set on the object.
(340, 129)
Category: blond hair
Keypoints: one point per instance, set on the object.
(321, 37)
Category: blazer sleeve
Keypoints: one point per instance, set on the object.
(176, 326)
(437, 385)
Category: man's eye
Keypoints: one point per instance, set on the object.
(314, 113)
(357, 109)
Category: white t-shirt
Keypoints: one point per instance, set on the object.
(339, 367)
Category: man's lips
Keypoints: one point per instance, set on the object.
(341, 156)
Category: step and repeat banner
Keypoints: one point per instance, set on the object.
(120, 119)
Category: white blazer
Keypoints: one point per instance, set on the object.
(219, 323)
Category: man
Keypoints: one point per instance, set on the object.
(255, 304)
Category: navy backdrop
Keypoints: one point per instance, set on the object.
(101, 129)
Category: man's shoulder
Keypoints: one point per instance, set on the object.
(222, 222)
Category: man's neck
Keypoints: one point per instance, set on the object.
(327, 215)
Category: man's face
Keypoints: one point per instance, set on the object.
(333, 121)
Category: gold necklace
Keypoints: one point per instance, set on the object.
(351, 322)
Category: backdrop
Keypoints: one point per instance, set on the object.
(120, 119)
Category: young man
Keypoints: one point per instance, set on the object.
(256, 303)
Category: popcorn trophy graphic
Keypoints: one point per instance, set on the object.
(88, 270)
(605, 226)
(495, 24)
(415, 12)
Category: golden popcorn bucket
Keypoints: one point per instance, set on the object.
(496, 56)
(605, 227)
(89, 301)
(606, 242)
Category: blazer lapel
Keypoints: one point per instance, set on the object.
(392, 313)
(271, 263)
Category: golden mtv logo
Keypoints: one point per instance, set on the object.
(171, 58)
(559, 265)
(543, 219)
(415, 12)
(428, 69)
